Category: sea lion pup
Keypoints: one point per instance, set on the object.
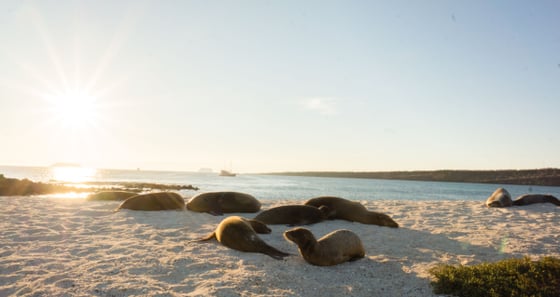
(218, 203)
(334, 248)
(500, 198)
(154, 201)
(293, 215)
(110, 196)
(352, 211)
(535, 198)
(241, 234)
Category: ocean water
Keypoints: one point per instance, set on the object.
(274, 187)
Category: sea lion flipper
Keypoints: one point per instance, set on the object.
(274, 253)
(259, 226)
(216, 206)
(216, 209)
(216, 213)
(552, 199)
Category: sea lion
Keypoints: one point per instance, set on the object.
(241, 234)
(334, 248)
(352, 211)
(535, 198)
(154, 201)
(294, 215)
(218, 203)
(500, 198)
(110, 196)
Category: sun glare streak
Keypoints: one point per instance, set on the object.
(29, 69)
(120, 36)
(41, 28)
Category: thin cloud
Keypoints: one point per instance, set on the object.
(324, 106)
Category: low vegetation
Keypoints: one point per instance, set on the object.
(512, 278)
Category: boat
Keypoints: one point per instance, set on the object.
(226, 173)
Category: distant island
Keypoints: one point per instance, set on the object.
(537, 177)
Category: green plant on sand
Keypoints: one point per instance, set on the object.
(511, 277)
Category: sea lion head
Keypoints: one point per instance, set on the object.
(385, 220)
(259, 227)
(299, 235)
(500, 198)
(327, 211)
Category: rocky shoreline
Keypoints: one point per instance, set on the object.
(26, 187)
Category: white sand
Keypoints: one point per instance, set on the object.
(71, 247)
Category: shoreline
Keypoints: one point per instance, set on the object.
(525, 177)
(57, 246)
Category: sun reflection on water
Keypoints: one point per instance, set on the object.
(73, 174)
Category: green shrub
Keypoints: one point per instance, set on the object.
(512, 278)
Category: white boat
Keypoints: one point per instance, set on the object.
(226, 173)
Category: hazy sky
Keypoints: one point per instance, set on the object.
(281, 85)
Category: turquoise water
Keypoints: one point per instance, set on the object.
(270, 187)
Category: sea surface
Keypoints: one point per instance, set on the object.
(275, 187)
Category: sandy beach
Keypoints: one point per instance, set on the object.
(72, 247)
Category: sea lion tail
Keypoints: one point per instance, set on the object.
(205, 238)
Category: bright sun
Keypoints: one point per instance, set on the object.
(74, 109)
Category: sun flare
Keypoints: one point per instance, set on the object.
(73, 109)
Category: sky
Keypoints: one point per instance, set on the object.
(268, 86)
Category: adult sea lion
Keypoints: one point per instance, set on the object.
(334, 248)
(352, 211)
(294, 215)
(218, 203)
(241, 234)
(500, 198)
(154, 201)
(535, 198)
(110, 196)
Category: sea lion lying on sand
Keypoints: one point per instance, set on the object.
(334, 248)
(218, 203)
(535, 198)
(294, 215)
(154, 201)
(110, 196)
(500, 198)
(352, 211)
(241, 234)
